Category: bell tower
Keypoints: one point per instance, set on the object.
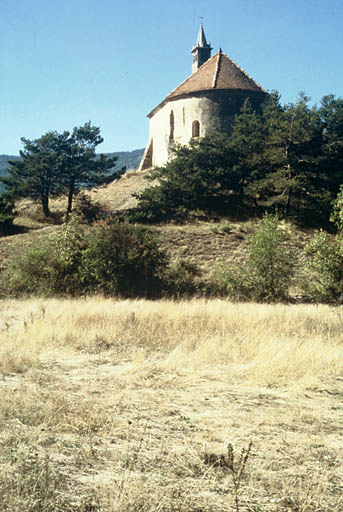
(201, 50)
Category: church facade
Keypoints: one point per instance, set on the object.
(208, 99)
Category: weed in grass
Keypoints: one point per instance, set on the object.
(235, 466)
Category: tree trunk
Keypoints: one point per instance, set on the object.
(70, 198)
(45, 206)
(288, 203)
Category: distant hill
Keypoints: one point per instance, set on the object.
(4, 163)
(128, 159)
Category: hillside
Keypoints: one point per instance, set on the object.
(151, 406)
(207, 243)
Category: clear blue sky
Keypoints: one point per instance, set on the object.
(110, 62)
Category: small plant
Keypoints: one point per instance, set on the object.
(266, 276)
(179, 279)
(337, 210)
(48, 268)
(86, 210)
(236, 467)
(7, 214)
(325, 264)
(122, 259)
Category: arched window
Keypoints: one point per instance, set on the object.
(195, 129)
(172, 124)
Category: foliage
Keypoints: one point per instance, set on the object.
(81, 167)
(122, 259)
(7, 214)
(290, 180)
(337, 210)
(286, 159)
(116, 259)
(331, 113)
(48, 268)
(266, 276)
(179, 279)
(86, 210)
(199, 177)
(38, 173)
(57, 163)
(325, 264)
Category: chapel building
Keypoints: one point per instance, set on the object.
(208, 99)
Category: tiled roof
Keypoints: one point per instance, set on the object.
(219, 72)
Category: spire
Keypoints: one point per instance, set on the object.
(201, 50)
(201, 41)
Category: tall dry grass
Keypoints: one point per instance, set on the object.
(122, 406)
(259, 344)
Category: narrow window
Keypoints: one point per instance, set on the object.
(195, 129)
(172, 124)
(184, 116)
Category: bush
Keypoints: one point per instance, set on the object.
(116, 259)
(266, 276)
(6, 214)
(325, 264)
(179, 279)
(123, 259)
(49, 268)
(86, 210)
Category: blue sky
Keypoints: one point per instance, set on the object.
(66, 62)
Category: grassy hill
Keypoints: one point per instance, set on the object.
(131, 405)
(207, 243)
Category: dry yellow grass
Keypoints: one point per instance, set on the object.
(130, 405)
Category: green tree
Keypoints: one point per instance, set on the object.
(81, 166)
(331, 113)
(337, 210)
(247, 143)
(267, 274)
(290, 180)
(7, 214)
(38, 173)
(59, 163)
(325, 264)
(200, 176)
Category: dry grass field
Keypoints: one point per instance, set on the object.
(151, 406)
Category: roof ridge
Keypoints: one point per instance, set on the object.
(244, 72)
(215, 78)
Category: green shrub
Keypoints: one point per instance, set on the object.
(123, 259)
(48, 268)
(116, 259)
(179, 279)
(325, 264)
(6, 214)
(86, 210)
(266, 275)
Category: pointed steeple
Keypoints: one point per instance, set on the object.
(201, 50)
